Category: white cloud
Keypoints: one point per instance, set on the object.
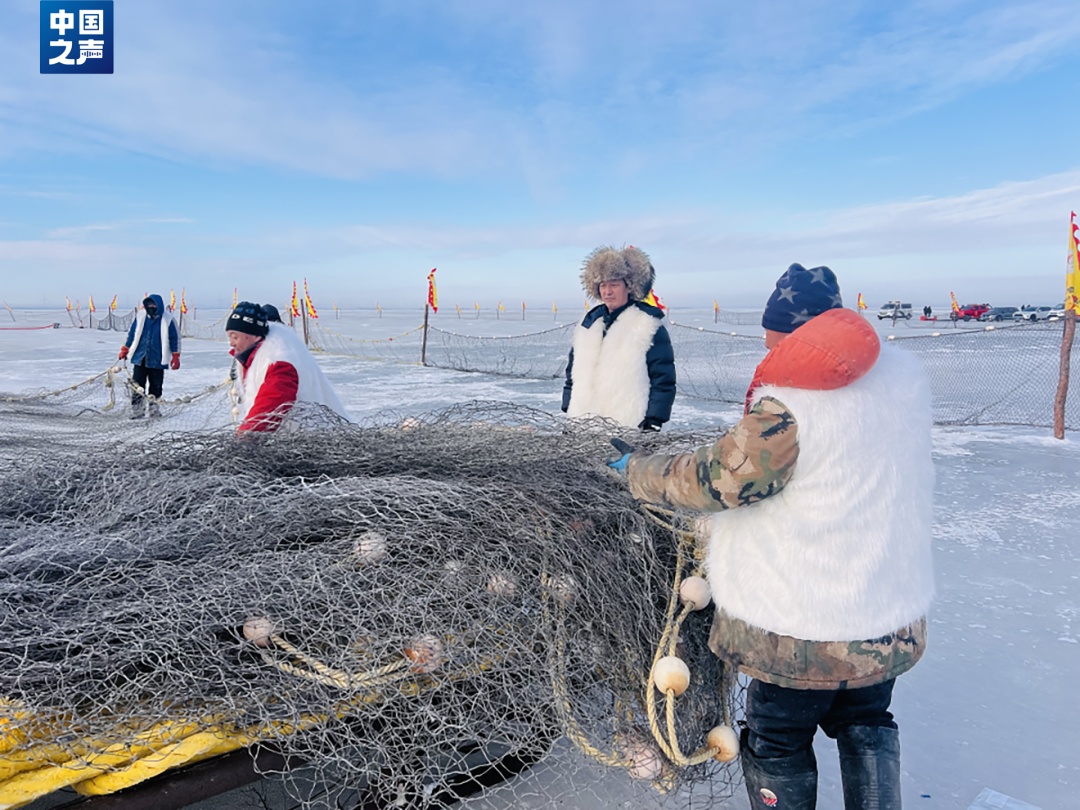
(204, 83)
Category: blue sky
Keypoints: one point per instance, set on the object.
(914, 147)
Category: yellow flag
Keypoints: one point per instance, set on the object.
(653, 300)
(307, 302)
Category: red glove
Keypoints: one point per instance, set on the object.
(123, 353)
(174, 364)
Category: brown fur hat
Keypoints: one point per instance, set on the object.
(607, 263)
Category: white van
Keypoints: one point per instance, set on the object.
(894, 309)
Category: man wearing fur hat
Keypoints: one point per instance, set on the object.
(276, 370)
(621, 363)
(818, 553)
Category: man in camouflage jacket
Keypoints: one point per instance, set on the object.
(818, 552)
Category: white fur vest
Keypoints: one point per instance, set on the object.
(140, 324)
(610, 376)
(282, 345)
(843, 551)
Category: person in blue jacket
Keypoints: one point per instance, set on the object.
(621, 365)
(153, 343)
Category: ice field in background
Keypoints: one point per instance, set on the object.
(990, 706)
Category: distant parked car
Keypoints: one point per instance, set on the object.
(969, 312)
(1058, 312)
(1032, 314)
(894, 309)
(998, 314)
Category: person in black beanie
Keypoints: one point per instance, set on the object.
(276, 370)
(821, 594)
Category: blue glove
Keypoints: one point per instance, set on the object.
(619, 464)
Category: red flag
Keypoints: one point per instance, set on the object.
(432, 293)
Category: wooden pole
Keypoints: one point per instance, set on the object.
(423, 342)
(1063, 374)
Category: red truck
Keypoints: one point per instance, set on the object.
(969, 312)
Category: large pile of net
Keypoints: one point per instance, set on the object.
(407, 611)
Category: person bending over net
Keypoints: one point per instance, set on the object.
(276, 370)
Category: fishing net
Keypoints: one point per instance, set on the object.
(978, 376)
(406, 612)
(1002, 374)
(98, 410)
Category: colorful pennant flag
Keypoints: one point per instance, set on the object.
(68, 303)
(183, 302)
(862, 303)
(307, 302)
(653, 300)
(172, 300)
(112, 306)
(92, 308)
(234, 297)
(294, 304)
(952, 298)
(432, 293)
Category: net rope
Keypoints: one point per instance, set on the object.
(979, 375)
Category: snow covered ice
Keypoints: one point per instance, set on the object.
(991, 705)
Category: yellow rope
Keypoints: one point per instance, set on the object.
(668, 644)
(321, 673)
(168, 745)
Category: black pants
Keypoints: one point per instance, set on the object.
(141, 376)
(782, 722)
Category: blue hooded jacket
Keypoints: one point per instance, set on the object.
(148, 353)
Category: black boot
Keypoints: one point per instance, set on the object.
(786, 783)
(870, 767)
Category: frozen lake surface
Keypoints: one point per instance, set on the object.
(993, 702)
